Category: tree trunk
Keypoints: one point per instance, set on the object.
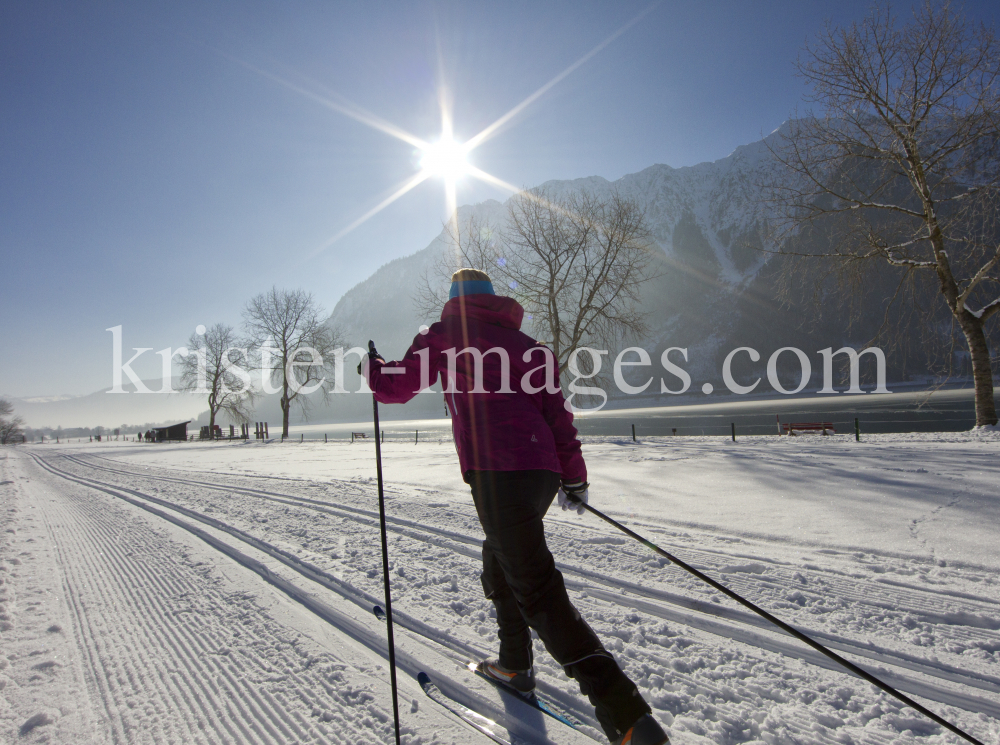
(285, 406)
(211, 422)
(982, 371)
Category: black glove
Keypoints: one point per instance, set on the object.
(372, 355)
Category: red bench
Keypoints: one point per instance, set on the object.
(824, 428)
(358, 436)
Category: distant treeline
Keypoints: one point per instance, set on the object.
(33, 434)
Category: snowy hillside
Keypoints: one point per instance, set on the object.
(109, 410)
(705, 219)
(222, 593)
(381, 307)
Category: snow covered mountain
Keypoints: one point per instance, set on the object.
(111, 410)
(714, 293)
(710, 297)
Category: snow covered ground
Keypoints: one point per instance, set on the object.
(221, 592)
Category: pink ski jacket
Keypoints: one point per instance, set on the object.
(522, 426)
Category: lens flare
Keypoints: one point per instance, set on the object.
(445, 159)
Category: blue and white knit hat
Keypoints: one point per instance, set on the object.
(470, 282)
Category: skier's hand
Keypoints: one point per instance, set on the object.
(574, 496)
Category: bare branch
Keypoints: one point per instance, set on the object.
(11, 427)
(218, 364)
(904, 164)
(292, 345)
(575, 262)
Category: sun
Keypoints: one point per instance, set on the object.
(446, 159)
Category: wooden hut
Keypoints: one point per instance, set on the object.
(173, 433)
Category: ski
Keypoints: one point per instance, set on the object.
(533, 699)
(474, 720)
(467, 715)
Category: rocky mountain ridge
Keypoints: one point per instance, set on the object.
(704, 218)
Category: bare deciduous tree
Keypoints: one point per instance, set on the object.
(293, 347)
(903, 164)
(217, 364)
(575, 263)
(10, 424)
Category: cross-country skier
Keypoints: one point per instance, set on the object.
(518, 450)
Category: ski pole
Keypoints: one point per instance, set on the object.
(782, 625)
(372, 354)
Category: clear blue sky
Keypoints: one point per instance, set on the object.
(150, 177)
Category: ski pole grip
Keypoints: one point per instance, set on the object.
(372, 354)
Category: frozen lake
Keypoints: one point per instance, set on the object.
(940, 411)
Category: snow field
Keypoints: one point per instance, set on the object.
(447, 671)
(178, 645)
(901, 578)
(41, 682)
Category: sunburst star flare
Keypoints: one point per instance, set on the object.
(446, 158)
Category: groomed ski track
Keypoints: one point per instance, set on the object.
(707, 616)
(275, 533)
(176, 647)
(266, 723)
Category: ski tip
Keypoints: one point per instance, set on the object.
(379, 613)
(423, 679)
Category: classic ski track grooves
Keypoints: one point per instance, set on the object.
(360, 598)
(261, 714)
(917, 598)
(731, 621)
(182, 669)
(100, 568)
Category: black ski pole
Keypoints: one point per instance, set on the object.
(783, 626)
(372, 354)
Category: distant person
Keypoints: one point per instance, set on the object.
(518, 451)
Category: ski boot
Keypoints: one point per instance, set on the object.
(645, 731)
(519, 681)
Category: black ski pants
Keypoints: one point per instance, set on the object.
(520, 577)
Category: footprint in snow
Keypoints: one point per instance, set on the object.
(42, 718)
